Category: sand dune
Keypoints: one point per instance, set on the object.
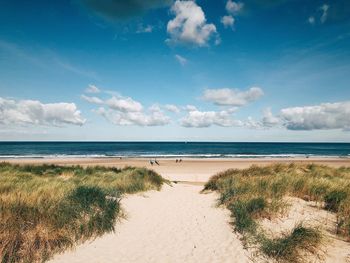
(178, 224)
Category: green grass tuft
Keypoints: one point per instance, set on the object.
(244, 211)
(292, 246)
(333, 199)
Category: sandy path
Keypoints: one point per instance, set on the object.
(177, 224)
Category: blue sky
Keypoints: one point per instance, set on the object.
(250, 70)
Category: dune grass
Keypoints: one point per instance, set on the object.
(291, 247)
(45, 209)
(257, 192)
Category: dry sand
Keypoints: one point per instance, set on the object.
(178, 224)
(333, 249)
(190, 170)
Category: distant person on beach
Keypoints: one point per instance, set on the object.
(151, 162)
(156, 162)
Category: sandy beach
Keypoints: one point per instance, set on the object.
(189, 170)
(178, 223)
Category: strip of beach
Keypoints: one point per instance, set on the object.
(197, 170)
(179, 223)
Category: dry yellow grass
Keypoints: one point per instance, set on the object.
(258, 192)
(45, 209)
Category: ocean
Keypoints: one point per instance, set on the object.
(10, 150)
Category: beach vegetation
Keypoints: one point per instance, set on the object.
(292, 246)
(45, 209)
(259, 192)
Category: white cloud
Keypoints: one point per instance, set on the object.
(124, 104)
(94, 100)
(32, 112)
(92, 89)
(227, 21)
(311, 20)
(202, 119)
(183, 61)
(323, 116)
(234, 7)
(190, 108)
(155, 118)
(269, 120)
(232, 109)
(172, 108)
(189, 25)
(126, 111)
(252, 124)
(144, 29)
(232, 97)
(324, 8)
(154, 107)
(321, 15)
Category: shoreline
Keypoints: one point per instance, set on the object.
(171, 156)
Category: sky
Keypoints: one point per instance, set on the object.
(160, 70)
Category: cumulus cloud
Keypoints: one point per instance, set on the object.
(190, 108)
(94, 100)
(253, 124)
(154, 118)
(323, 116)
(202, 119)
(269, 120)
(234, 7)
(224, 118)
(124, 104)
(183, 61)
(189, 25)
(33, 112)
(92, 89)
(123, 9)
(227, 21)
(232, 97)
(172, 108)
(126, 111)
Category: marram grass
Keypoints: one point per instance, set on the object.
(258, 192)
(45, 209)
